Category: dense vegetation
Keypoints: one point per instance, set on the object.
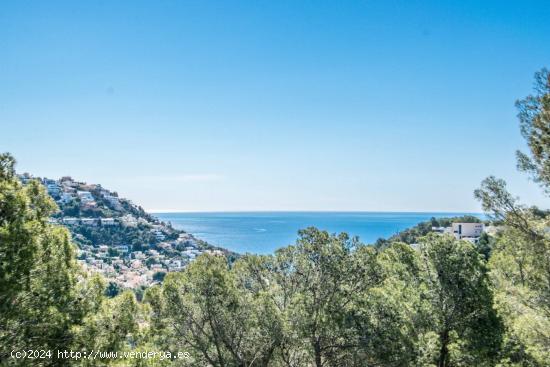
(328, 300)
(414, 234)
(47, 302)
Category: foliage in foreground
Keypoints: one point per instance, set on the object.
(332, 301)
(47, 302)
(328, 300)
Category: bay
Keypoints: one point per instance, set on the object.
(264, 232)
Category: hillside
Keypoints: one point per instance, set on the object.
(413, 234)
(117, 238)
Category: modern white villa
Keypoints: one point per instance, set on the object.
(467, 230)
(463, 231)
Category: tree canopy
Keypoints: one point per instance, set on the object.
(46, 297)
(418, 299)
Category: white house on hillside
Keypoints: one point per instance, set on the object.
(66, 198)
(85, 196)
(467, 230)
(114, 201)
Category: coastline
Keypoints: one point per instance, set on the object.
(264, 232)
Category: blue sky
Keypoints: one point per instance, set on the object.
(272, 105)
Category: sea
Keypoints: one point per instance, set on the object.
(264, 232)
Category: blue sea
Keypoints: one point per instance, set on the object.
(264, 232)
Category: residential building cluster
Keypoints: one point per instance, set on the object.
(133, 269)
(130, 266)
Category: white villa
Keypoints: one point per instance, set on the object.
(85, 196)
(463, 231)
(467, 230)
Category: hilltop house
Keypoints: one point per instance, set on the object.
(85, 196)
(52, 187)
(463, 231)
(67, 181)
(467, 230)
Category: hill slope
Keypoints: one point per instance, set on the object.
(119, 239)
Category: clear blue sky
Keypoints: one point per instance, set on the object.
(272, 105)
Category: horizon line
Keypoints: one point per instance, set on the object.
(161, 211)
